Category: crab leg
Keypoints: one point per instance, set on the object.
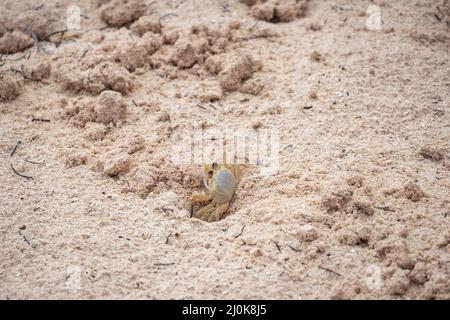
(200, 197)
(203, 212)
(217, 214)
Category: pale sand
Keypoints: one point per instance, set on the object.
(360, 207)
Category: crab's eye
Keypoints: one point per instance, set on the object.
(210, 173)
(214, 165)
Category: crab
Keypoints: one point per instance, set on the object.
(221, 181)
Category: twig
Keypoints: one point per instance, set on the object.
(329, 270)
(254, 25)
(34, 162)
(21, 175)
(278, 246)
(240, 234)
(200, 106)
(257, 36)
(165, 16)
(36, 40)
(84, 53)
(135, 104)
(48, 35)
(20, 58)
(294, 249)
(89, 210)
(24, 238)
(168, 237)
(15, 147)
(385, 208)
(165, 209)
(164, 264)
(33, 119)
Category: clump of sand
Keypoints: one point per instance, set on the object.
(10, 85)
(146, 24)
(118, 13)
(108, 108)
(95, 78)
(276, 10)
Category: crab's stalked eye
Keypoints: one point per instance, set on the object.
(210, 174)
(214, 165)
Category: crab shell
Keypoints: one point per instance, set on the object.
(221, 186)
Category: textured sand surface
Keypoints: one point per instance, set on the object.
(92, 207)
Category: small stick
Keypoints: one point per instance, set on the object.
(254, 25)
(329, 270)
(168, 237)
(36, 41)
(39, 119)
(21, 175)
(164, 264)
(48, 35)
(294, 249)
(166, 209)
(84, 53)
(20, 58)
(24, 238)
(34, 36)
(200, 106)
(278, 246)
(34, 162)
(164, 16)
(385, 208)
(257, 36)
(15, 148)
(135, 104)
(240, 234)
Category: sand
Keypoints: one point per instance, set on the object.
(92, 205)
